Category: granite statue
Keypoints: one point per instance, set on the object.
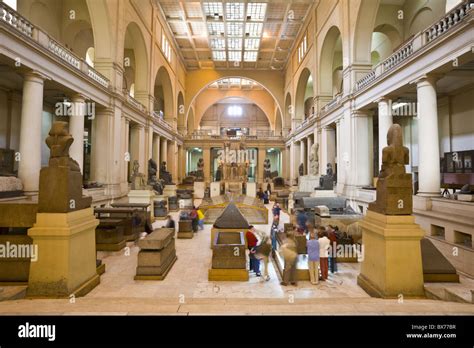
(60, 187)
(267, 172)
(165, 175)
(301, 169)
(394, 185)
(200, 170)
(314, 160)
(138, 179)
(326, 182)
(219, 172)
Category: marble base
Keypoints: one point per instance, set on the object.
(251, 189)
(392, 264)
(324, 193)
(465, 197)
(199, 189)
(215, 189)
(185, 203)
(241, 275)
(233, 187)
(308, 183)
(66, 262)
(169, 190)
(142, 196)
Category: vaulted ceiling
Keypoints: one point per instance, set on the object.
(235, 34)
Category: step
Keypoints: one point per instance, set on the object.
(9, 293)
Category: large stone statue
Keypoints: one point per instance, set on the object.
(138, 179)
(314, 160)
(200, 170)
(394, 185)
(219, 172)
(165, 175)
(153, 181)
(326, 182)
(301, 169)
(267, 172)
(60, 187)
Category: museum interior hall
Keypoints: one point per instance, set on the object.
(236, 157)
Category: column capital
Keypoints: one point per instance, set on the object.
(362, 113)
(35, 76)
(78, 98)
(137, 126)
(383, 99)
(430, 79)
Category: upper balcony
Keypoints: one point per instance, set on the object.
(12, 20)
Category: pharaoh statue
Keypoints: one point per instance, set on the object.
(60, 187)
(326, 182)
(267, 173)
(138, 179)
(153, 181)
(314, 160)
(394, 185)
(200, 170)
(219, 172)
(301, 169)
(165, 175)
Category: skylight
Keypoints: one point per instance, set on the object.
(235, 56)
(218, 44)
(253, 29)
(218, 55)
(234, 11)
(215, 28)
(256, 11)
(235, 29)
(234, 44)
(250, 56)
(252, 44)
(234, 110)
(213, 9)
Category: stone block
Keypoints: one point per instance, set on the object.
(154, 258)
(199, 189)
(228, 251)
(251, 189)
(157, 240)
(215, 189)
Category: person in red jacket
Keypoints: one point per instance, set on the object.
(252, 242)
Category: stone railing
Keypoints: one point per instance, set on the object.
(135, 103)
(204, 136)
(417, 42)
(64, 54)
(332, 104)
(12, 18)
(22, 26)
(452, 18)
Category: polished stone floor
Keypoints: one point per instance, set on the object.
(186, 290)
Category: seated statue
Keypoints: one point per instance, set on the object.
(200, 170)
(138, 179)
(219, 172)
(301, 169)
(267, 169)
(394, 185)
(152, 170)
(326, 182)
(165, 175)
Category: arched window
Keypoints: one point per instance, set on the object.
(90, 54)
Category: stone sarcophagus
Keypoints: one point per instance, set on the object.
(110, 234)
(157, 255)
(228, 257)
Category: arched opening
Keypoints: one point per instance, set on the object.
(135, 61)
(90, 56)
(304, 96)
(235, 116)
(163, 93)
(330, 70)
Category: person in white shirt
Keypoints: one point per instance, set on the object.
(324, 244)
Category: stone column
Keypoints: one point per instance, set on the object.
(137, 146)
(303, 155)
(308, 150)
(156, 149)
(206, 156)
(30, 132)
(385, 121)
(164, 152)
(125, 155)
(76, 128)
(338, 158)
(362, 150)
(149, 147)
(295, 156)
(100, 146)
(429, 176)
(172, 160)
(262, 154)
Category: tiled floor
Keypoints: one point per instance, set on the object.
(186, 290)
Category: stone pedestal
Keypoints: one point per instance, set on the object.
(157, 255)
(233, 187)
(142, 196)
(251, 189)
(215, 189)
(228, 257)
(465, 197)
(308, 183)
(199, 189)
(185, 230)
(161, 211)
(392, 263)
(264, 186)
(169, 191)
(66, 262)
(324, 193)
(185, 203)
